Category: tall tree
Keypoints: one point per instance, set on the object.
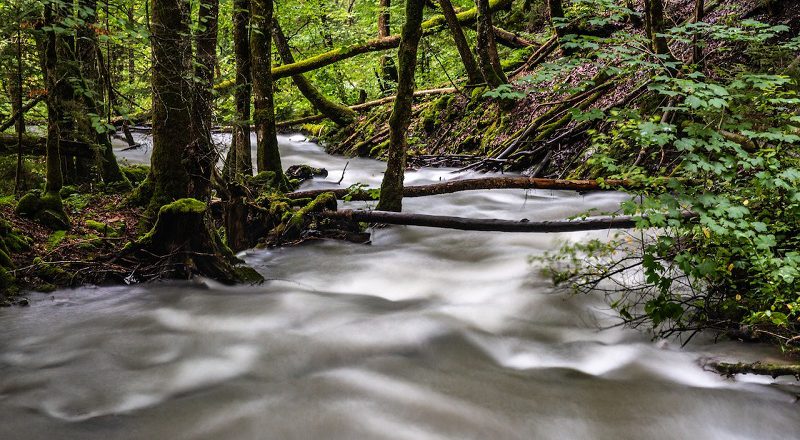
(697, 51)
(86, 50)
(488, 59)
(338, 113)
(391, 195)
(657, 27)
(470, 65)
(268, 157)
(239, 161)
(201, 154)
(388, 71)
(172, 91)
(56, 91)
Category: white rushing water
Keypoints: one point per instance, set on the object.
(424, 334)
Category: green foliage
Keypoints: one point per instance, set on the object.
(731, 142)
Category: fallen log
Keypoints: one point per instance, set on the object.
(29, 105)
(364, 106)
(517, 182)
(36, 145)
(774, 370)
(482, 224)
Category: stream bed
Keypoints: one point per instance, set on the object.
(424, 334)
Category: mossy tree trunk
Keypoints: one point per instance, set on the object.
(697, 51)
(338, 113)
(201, 155)
(268, 156)
(488, 59)
(55, 87)
(556, 9)
(50, 208)
(240, 161)
(391, 196)
(86, 49)
(657, 27)
(172, 56)
(388, 70)
(464, 51)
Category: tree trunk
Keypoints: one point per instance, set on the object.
(697, 51)
(268, 157)
(171, 64)
(201, 156)
(55, 113)
(388, 71)
(240, 161)
(556, 10)
(658, 26)
(464, 51)
(86, 51)
(19, 113)
(488, 60)
(392, 185)
(338, 113)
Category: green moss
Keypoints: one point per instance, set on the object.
(55, 239)
(247, 275)
(7, 282)
(136, 174)
(7, 200)
(29, 204)
(141, 195)
(184, 206)
(68, 190)
(50, 272)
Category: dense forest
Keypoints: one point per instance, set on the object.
(690, 107)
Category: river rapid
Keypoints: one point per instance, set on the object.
(424, 334)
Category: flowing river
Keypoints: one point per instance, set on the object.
(424, 334)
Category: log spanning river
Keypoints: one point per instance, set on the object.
(425, 334)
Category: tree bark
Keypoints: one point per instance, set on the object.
(171, 64)
(201, 154)
(240, 161)
(268, 157)
(485, 183)
(658, 26)
(697, 51)
(475, 224)
(392, 185)
(556, 10)
(488, 59)
(338, 113)
(464, 51)
(87, 50)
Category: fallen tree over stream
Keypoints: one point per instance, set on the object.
(516, 182)
(480, 224)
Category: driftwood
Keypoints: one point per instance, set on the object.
(518, 182)
(774, 370)
(474, 224)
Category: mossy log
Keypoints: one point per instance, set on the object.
(184, 243)
(481, 224)
(774, 370)
(519, 182)
(365, 106)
